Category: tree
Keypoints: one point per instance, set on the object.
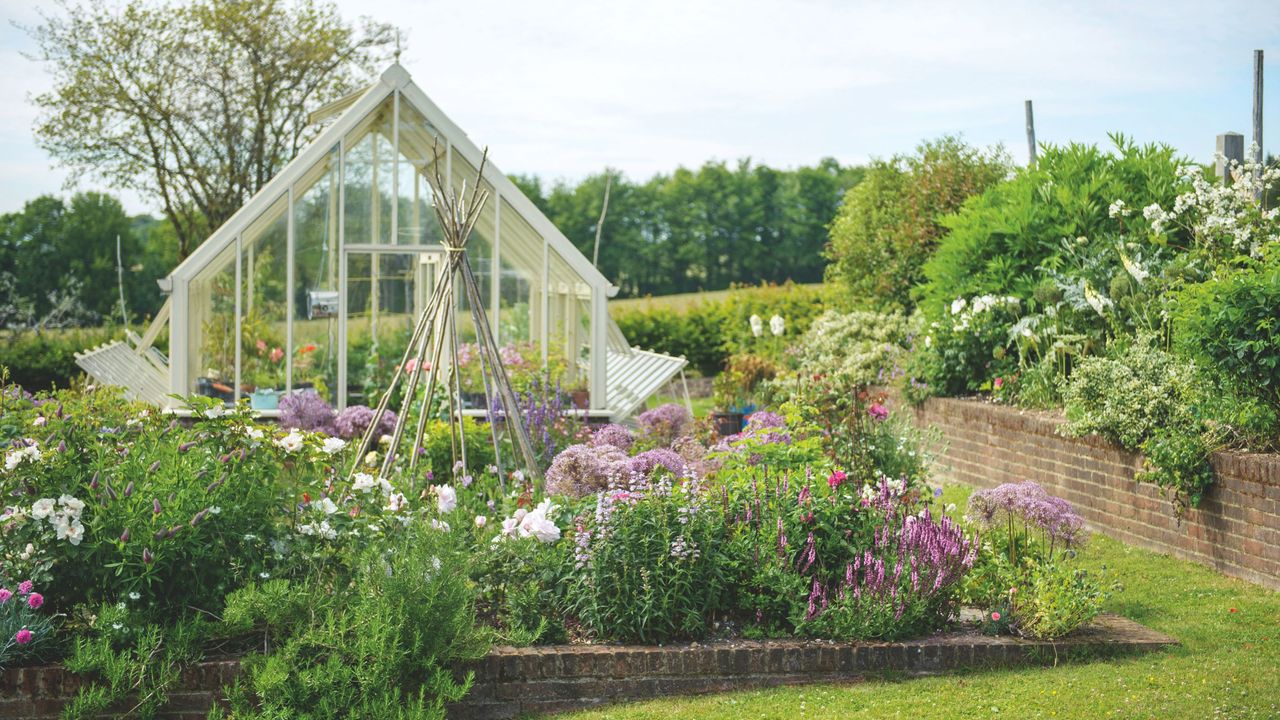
(889, 224)
(196, 106)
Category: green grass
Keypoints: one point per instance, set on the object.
(1227, 668)
(678, 303)
(701, 406)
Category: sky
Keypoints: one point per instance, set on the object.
(563, 89)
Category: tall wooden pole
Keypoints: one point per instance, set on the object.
(1031, 136)
(1257, 116)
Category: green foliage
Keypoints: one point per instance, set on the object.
(655, 570)
(708, 333)
(888, 224)
(44, 360)
(1232, 323)
(1057, 599)
(385, 647)
(702, 229)
(862, 346)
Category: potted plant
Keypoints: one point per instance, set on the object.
(734, 389)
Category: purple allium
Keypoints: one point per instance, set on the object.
(306, 410)
(665, 423)
(352, 423)
(765, 419)
(581, 470)
(614, 435)
(1028, 501)
(648, 461)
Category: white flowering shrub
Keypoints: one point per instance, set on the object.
(862, 346)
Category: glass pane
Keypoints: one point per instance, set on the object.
(212, 312)
(315, 275)
(385, 292)
(368, 168)
(569, 334)
(264, 303)
(479, 248)
(418, 224)
(520, 292)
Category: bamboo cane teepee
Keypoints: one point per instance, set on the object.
(436, 333)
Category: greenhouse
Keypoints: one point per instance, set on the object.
(316, 281)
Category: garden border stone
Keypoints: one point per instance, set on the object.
(512, 681)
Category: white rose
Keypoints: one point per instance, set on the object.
(326, 504)
(363, 482)
(292, 442)
(42, 508)
(332, 445)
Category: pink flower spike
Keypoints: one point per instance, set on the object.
(25, 587)
(22, 637)
(35, 600)
(5, 594)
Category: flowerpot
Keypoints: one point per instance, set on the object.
(581, 399)
(264, 399)
(473, 400)
(727, 423)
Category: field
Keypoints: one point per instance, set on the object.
(677, 303)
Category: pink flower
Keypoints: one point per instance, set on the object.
(998, 383)
(261, 345)
(25, 587)
(836, 479)
(878, 412)
(35, 600)
(5, 594)
(22, 637)
(995, 617)
(275, 354)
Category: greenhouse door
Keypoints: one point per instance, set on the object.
(383, 291)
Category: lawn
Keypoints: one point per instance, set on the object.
(677, 303)
(1227, 668)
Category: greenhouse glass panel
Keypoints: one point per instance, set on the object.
(520, 280)
(368, 167)
(417, 220)
(315, 278)
(264, 306)
(211, 322)
(569, 329)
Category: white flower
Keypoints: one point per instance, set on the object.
(135, 596)
(439, 525)
(446, 498)
(216, 411)
(326, 504)
(1137, 271)
(518, 476)
(384, 440)
(777, 325)
(957, 306)
(75, 533)
(536, 524)
(481, 521)
(42, 508)
(396, 502)
(74, 506)
(39, 421)
(332, 445)
(1118, 209)
(363, 482)
(385, 486)
(371, 458)
(757, 325)
(253, 433)
(292, 442)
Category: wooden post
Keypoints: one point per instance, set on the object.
(1230, 148)
(1031, 136)
(1257, 116)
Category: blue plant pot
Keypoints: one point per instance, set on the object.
(264, 400)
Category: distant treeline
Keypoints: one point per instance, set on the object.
(703, 229)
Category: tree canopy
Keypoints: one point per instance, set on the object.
(194, 105)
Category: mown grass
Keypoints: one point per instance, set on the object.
(1227, 667)
(678, 303)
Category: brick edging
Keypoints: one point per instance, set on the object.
(1235, 529)
(512, 681)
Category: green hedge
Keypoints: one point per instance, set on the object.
(708, 333)
(38, 361)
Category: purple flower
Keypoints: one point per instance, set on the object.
(25, 587)
(615, 435)
(646, 462)
(878, 412)
(5, 594)
(355, 420)
(665, 423)
(35, 600)
(1028, 501)
(306, 410)
(22, 637)
(581, 470)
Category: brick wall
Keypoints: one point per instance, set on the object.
(513, 681)
(1235, 530)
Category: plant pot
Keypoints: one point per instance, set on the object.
(581, 399)
(264, 399)
(473, 400)
(727, 423)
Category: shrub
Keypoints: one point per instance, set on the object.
(888, 225)
(649, 565)
(42, 361)
(862, 346)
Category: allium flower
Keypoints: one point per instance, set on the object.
(352, 422)
(1028, 501)
(22, 637)
(306, 410)
(581, 470)
(665, 423)
(615, 435)
(446, 498)
(646, 462)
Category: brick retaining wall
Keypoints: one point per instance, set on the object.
(513, 681)
(1235, 529)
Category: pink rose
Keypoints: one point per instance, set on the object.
(22, 637)
(35, 600)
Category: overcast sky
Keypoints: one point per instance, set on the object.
(562, 89)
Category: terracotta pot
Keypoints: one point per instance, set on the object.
(581, 399)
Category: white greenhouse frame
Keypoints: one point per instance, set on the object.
(562, 284)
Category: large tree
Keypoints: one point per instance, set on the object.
(198, 105)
